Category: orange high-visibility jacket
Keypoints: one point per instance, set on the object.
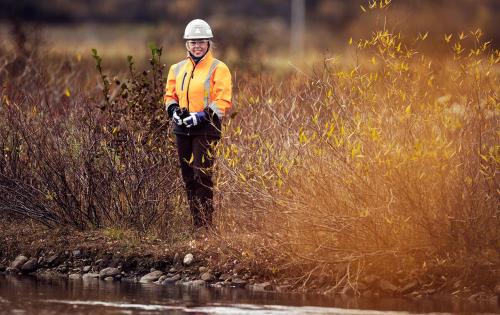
(205, 85)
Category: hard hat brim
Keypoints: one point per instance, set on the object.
(198, 37)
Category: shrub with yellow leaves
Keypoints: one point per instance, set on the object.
(372, 168)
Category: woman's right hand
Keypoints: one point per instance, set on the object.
(176, 118)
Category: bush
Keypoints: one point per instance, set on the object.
(390, 165)
(69, 159)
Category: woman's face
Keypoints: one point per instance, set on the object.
(197, 47)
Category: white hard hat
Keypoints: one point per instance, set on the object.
(198, 29)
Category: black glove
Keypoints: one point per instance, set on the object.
(171, 109)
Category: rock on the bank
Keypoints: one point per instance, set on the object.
(188, 259)
(225, 277)
(207, 276)
(347, 290)
(265, 286)
(30, 266)
(90, 275)
(150, 277)
(173, 279)
(370, 280)
(176, 258)
(409, 287)
(54, 260)
(108, 272)
(19, 262)
(387, 286)
(283, 288)
(194, 283)
(75, 276)
(239, 283)
(203, 269)
(161, 279)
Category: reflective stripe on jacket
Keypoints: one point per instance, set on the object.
(202, 86)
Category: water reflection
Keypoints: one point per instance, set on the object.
(27, 295)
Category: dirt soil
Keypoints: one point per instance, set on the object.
(137, 255)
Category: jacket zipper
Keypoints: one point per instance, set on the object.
(183, 78)
(189, 82)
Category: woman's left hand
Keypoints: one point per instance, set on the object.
(194, 119)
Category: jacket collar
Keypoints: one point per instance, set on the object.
(207, 58)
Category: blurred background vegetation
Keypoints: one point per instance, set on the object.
(251, 31)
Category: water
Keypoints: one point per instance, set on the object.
(26, 295)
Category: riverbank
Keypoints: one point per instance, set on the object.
(198, 259)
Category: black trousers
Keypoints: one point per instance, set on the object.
(197, 168)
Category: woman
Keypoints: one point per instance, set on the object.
(197, 97)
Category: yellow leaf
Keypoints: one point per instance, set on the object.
(350, 41)
(362, 8)
(238, 131)
(243, 178)
(191, 159)
(374, 134)
(279, 182)
(356, 151)
(448, 37)
(302, 137)
(49, 196)
(364, 213)
(315, 118)
(330, 131)
(67, 92)
(408, 109)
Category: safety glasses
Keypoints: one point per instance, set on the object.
(201, 42)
